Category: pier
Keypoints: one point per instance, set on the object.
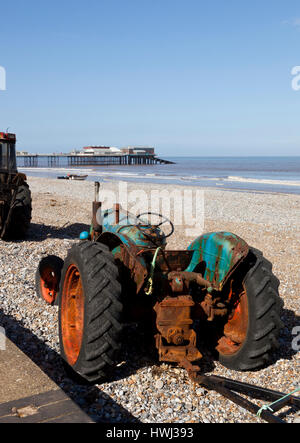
(57, 160)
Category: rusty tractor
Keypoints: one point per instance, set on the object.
(15, 196)
(219, 291)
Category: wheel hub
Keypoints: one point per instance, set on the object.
(72, 314)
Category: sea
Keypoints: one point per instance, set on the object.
(256, 174)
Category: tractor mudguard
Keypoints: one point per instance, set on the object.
(217, 254)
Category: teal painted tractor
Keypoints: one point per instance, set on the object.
(121, 271)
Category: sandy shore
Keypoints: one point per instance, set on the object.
(62, 209)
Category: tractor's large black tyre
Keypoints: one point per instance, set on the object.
(102, 310)
(21, 214)
(264, 317)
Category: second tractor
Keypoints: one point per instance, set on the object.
(15, 195)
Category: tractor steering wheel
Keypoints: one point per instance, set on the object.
(164, 220)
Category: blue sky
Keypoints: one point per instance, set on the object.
(189, 77)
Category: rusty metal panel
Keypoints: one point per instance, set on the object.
(168, 261)
(219, 253)
(174, 323)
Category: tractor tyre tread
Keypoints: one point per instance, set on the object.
(21, 214)
(103, 310)
(265, 309)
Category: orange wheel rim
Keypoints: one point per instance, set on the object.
(49, 285)
(235, 330)
(72, 314)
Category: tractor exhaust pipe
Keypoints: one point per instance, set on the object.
(97, 191)
(96, 209)
(117, 208)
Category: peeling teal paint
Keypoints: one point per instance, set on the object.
(220, 252)
(127, 229)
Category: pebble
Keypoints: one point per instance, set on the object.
(200, 392)
(159, 384)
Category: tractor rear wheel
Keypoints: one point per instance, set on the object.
(90, 311)
(21, 214)
(251, 332)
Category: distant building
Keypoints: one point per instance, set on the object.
(100, 150)
(110, 150)
(141, 150)
(95, 150)
(115, 150)
(22, 152)
(75, 152)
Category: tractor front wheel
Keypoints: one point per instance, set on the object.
(251, 332)
(47, 278)
(90, 311)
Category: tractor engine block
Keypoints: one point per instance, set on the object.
(176, 340)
